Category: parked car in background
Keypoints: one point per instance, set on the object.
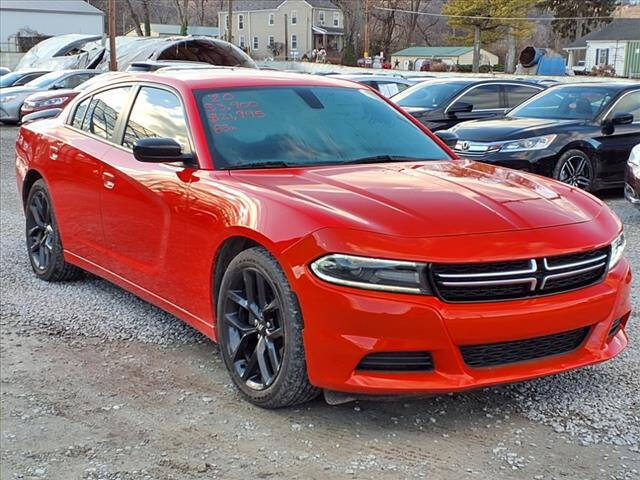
(388, 85)
(20, 77)
(4, 71)
(632, 185)
(581, 134)
(321, 235)
(11, 99)
(442, 103)
(59, 98)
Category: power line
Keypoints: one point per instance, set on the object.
(478, 17)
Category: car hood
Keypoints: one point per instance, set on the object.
(425, 199)
(509, 128)
(47, 94)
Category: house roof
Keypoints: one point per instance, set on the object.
(618, 29)
(61, 6)
(163, 29)
(253, 5)
(328, 30)
(432, 52)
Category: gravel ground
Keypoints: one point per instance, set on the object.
(97, 384)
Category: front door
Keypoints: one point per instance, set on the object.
(144, 204)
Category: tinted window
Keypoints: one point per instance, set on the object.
(307, 126)
(78, 115)
(571, 102)
(104, 109)
(428, 95)
(630, 103)
(484, 97)
(516, 94)
(73, 81)
(156, 113)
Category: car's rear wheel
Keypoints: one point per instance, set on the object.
(43, 239)
(260, 332)
(576, 169)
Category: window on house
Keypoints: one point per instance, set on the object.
(271, 40)
(294, 17)
(321, 17)
(336, 19)
(294, 42)
(272, 19)
(241, 41)
(255, 43)
(240, 22)
(226, 22)
(602, 56)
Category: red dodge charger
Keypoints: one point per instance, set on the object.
(324, 238)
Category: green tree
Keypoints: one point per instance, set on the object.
(492, 21)
(572, 29)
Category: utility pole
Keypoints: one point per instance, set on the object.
(112, 36)
(286, 39)
(366, 28)
(230, 22)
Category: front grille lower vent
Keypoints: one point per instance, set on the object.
(494, 354)
(477, 282)
(397, 362)
(615, 327)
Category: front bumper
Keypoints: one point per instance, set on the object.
(343, 325)
(541, 162)
(10, 112)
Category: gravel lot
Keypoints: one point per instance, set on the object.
(97, 384)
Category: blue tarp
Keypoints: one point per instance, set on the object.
(552, 66)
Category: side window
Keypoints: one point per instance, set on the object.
(484, 97)
(156, 113)
(81, 110)
(104, 109)
(388, 89)
(73, 81)
(26, 79)
(516, 94)
(630, 103)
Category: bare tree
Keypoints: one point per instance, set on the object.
(200, 11)
(135, 18)
(146, 19)
(183, 14)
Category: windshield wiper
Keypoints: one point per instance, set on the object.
(270, 164)
(382, 159)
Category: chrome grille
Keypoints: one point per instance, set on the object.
(519, 279)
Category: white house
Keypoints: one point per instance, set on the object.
(617, 44)
(46, 18)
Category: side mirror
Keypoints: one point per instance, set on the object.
(159, 150)
(460, 107)
(449, 138)
(622, 119)
(41, 115)
(57, 86)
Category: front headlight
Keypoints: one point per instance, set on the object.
(7, 98)
(371, 273)
(533, 143)
(50, 102)
(617, 249)
(634, 158)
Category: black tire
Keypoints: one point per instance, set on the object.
(43, 239)
(260, 332)
(576, 169)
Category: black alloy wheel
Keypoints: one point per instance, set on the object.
(575, 168)
(39, 231)
(253, 329)
(259, 328)
(43, 239)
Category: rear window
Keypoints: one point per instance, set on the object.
(303, 126)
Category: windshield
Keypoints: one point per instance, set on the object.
(428, 95)
(304, 126)
(45, 80)
(565, 103)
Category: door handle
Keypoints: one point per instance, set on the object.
(108, 180)
(53, 152)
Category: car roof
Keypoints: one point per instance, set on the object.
(202, 78)
(364, 77)
(478, 80)
(618, 86)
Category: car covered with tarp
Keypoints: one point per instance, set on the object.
(92, 52)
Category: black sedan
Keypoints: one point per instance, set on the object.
(579, 134)
(442, 103)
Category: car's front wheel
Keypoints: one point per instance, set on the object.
(43, 239)
(575, 168)
(260, 332)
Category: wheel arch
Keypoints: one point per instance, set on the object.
(585, 146)
(31, 177)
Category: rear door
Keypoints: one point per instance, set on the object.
(515, 93)
(616, 146)
(144, 204)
